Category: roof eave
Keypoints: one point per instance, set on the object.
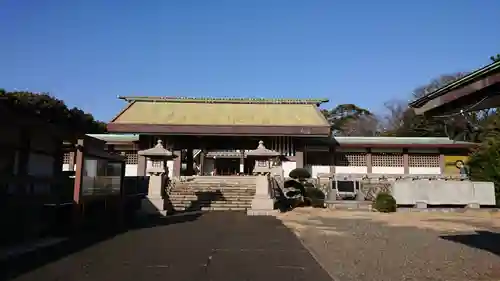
(456, 84)
(217, 130)
(222, 100)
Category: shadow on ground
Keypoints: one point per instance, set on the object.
(483, 240)
(16, 266)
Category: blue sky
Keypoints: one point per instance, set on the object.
(87, 52)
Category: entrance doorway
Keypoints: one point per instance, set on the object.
(227, 166)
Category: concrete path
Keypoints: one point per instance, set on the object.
(213, 246)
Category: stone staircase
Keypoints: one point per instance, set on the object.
(212, 193)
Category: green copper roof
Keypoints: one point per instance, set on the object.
(167, 112)
(224, 100)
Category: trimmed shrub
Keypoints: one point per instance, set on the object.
(299, 174)
(385, 203)
(314, 197)
(295, 187)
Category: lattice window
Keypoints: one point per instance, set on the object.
(131, 157)
(66, 158)
(387, 160)
(353, 159)
(423, 160)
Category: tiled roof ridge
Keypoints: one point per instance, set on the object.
(224, 100)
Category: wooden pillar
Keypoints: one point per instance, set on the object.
(141, 160)
(177, 163)
(406, 163)
(72, 161)
(299, 158)
(58, 155)
(442, 162)
(333, 158)
(369, 166)
(77, 190)
(242, 161)
(202, 162)
(189, 162)
(23, 158)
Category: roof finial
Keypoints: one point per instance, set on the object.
(159, 143)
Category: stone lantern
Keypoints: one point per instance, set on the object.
(263, 201)
(158, 177)
(264, 159)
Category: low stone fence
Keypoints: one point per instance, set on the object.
(409, 190)
(421, 193)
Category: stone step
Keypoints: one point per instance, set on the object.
(220, 183)
(349, 205)
(193, 197)
(215, 192)
(211, 191)
(225, 205)
(235, 200)
(242, 180)
(223, 177)
(219, 206)
(181, 201)
(213, 187)
(180, 209)
(238, 187)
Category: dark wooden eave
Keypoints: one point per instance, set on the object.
(217, 130)
(478, 90)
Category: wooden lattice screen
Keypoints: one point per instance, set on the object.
(387, 160)
(353, 159)
(423, 160)
(66, 158)
(131, 157)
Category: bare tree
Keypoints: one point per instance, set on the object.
(394, 117)
(437, 83)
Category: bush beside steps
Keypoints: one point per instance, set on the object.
(385, 203)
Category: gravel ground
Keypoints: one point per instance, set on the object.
(372, 246)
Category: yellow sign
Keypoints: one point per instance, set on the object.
(452, 161)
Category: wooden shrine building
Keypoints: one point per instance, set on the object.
(205, 124)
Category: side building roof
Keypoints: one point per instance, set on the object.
(347, 142)
(478, 90)
(401, 142)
